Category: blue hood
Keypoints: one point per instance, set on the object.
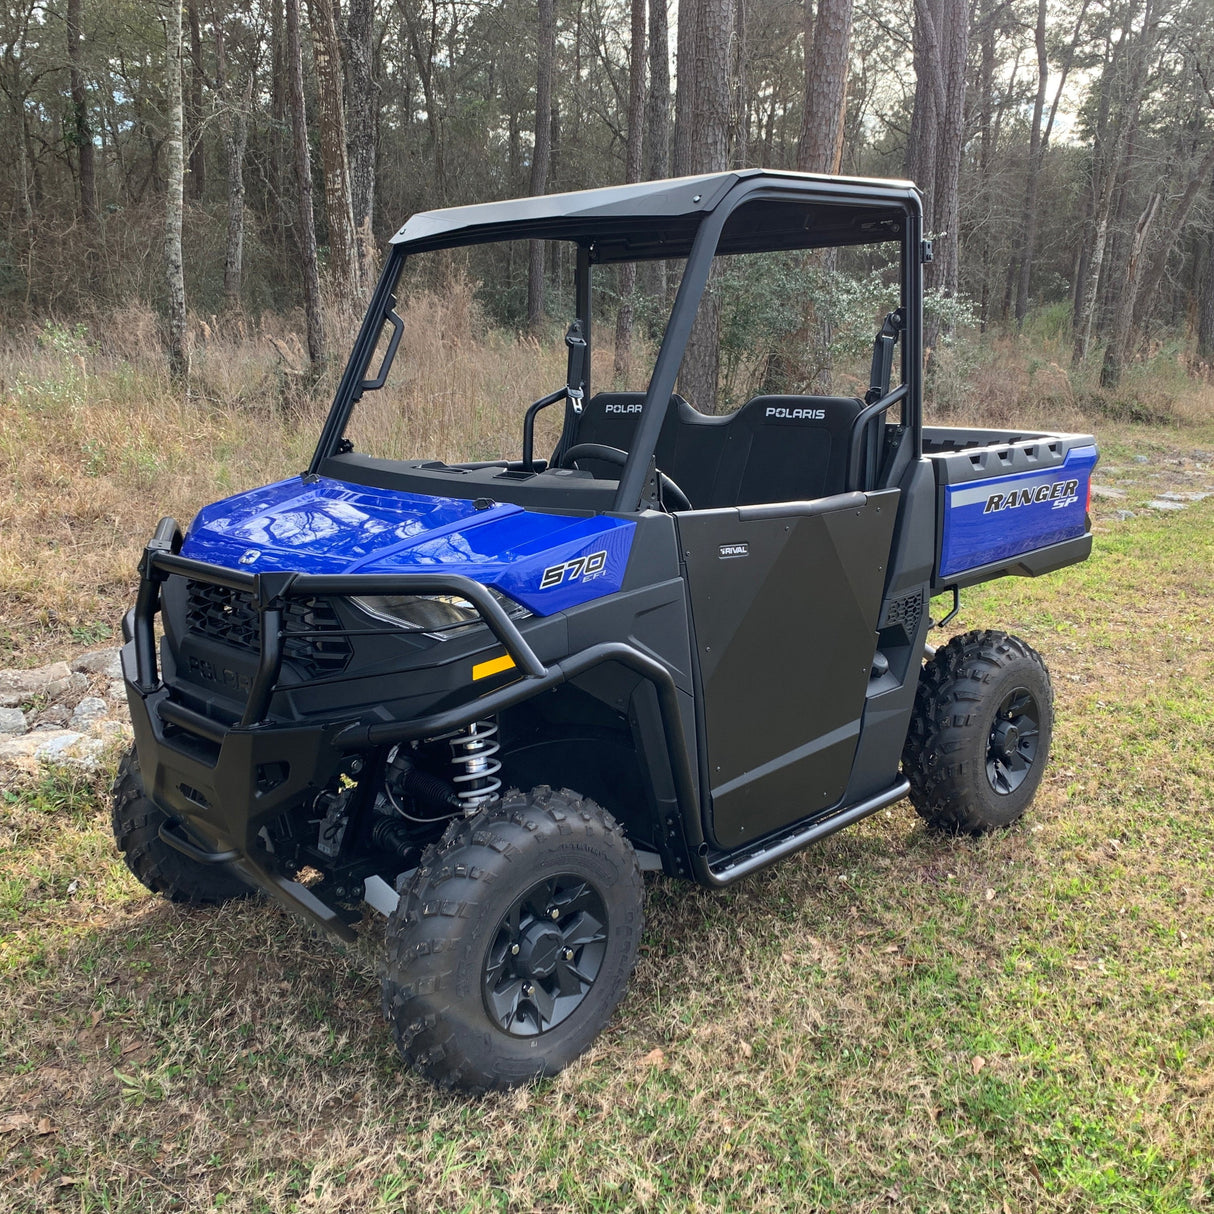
(547, 562)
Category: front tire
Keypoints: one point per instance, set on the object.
(514, 943)
(137, 820)
(980, 734)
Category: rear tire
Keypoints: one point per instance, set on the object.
(980, 734)
(513, 945)
(163, 869)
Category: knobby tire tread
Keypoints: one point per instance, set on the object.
(426, 934)
(952, 703)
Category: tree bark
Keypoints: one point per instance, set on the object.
(827, 46)
(953, 33)
(1174, 229)
(82, 132)
(699, 373)
(656, 140)
(1123, 320)
(632, 172)
(309, 261)
(545, 53)
(1123, 124)
(362, 124)
(941, 48)
(685, 86)
(198, 163)
(344, 261)
(175, 197)
(235, 127)
(1205, 305)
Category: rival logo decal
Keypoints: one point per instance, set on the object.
(587, 568)
(806, 415)
(1060, 494)
(728, 550)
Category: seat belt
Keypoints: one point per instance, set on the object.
(575, 386)
(883, 355)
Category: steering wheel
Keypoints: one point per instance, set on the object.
(613, 455)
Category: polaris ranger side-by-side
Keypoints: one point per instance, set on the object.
(484, 697)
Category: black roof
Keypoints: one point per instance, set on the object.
(653, 219)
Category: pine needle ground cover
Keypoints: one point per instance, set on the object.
(891, 1020)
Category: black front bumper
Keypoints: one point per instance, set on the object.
(222, 782)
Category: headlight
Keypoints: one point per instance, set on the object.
(439, 615)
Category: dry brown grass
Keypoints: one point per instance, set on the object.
(96, 444)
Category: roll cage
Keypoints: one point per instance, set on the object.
(684, 218)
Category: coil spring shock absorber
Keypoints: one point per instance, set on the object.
(474, 750)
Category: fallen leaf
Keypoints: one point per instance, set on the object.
(45, 1126)
(96, 1017)
(655, 1057)
(990, 895)
(66, 1182)
(977, 1062)
(14, 1121)
(746, 1048)
(787, 958)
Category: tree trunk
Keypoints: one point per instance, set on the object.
(545, 53)
(986, 146)
(175, 197)
(827, 46)
(303, 189)
(685, 86)
(343, 243)
(698, 375)
(362, 120)
(280, 90)
(82, 132)
(632, 172)
(235, 127)
(1123, 321)
(656, 140)
(953, 33)
(1122, 124)
(1028, 225)
(198, 164)
(1205, 305)
(1174, 229)
(941, 46)
(739, 134)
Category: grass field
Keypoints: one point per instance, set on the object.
(890, 1021)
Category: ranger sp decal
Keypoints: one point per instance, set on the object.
(585, 567)
(1059, 493)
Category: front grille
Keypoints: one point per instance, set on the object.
(230, 617)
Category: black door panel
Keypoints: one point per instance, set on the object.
(784, 605)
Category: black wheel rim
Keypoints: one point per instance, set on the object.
(545, 955)
(1014, 740)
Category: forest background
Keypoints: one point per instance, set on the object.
(247, 159)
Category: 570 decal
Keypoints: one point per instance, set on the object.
(584, 567)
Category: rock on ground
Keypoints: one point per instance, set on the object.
(51, 682)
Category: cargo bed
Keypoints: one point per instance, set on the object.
(1008, 502)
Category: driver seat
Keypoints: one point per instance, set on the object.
(609, 418)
